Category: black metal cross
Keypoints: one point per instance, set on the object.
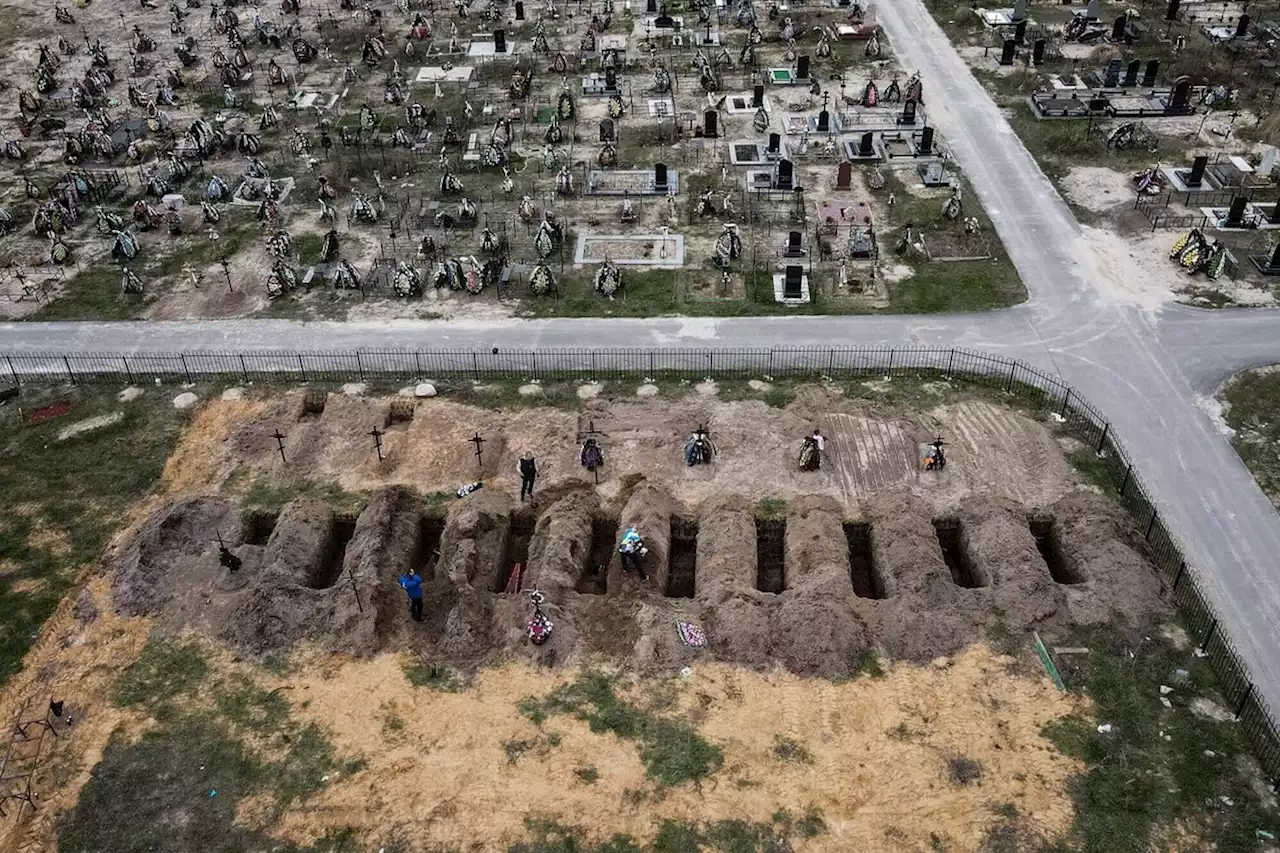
(478, 441)
(279, 437)
(377, 441)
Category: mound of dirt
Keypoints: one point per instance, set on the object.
(187, 528)
(561, 543)
(907, 559)
(648, 510)
(999, 541)
(386, 543)
(726, 550)
(474, 543)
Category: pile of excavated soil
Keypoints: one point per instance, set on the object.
(914, 586)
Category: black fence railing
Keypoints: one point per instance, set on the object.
(1030, 386)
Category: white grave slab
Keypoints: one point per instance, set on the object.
(779, 281)
(661, 108)
(996, 17)
(437, 74)
(482, 48)
(318, 100)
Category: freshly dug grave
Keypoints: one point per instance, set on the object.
(930, 585)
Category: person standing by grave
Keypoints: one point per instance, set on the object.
(528, 468)
(412, 583)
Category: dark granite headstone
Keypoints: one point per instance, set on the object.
(1196, 177)
(793, 283)
(786, 174)
(1007, 52)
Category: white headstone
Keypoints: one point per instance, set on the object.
(1268, 163)
(1019, 10)
(424, 389)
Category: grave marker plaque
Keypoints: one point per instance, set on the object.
(1117, 29)
(1020, 32)
(1242, 26)
(1181, 93)
(660, 176)
(1151, 72)
(793, 283)
(926, 142)
(824, 122)
(1131, 73)
(786, 174)
(519, 10)
(1037, 52)
(908, 111)
(757, 97)
(1171, 13)
(844, 176)
(802, 67)
(795, 245)
(709, 128)
(499, 41)
(1196, 176)
(866, 145)
(1007, 52)
(775, 143)
(1235, 214)
(651, 7)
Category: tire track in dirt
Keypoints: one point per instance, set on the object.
(1008, 449)
(868, 455)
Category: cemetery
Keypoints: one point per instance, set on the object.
(218, 161)
(1156, 123)
(274, 546)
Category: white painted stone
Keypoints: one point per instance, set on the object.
(647, 391)
(233, 394)
(129, 394)
(185, 400)
(758, 385)
(424, 389)
(589, 391)
(354, 389)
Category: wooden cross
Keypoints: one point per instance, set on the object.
(478, 441)
(377, 441)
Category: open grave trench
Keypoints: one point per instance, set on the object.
(808, 589)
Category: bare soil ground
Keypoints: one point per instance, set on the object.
(878, 566)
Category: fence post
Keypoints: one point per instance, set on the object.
(769, 371)
(593, 365)
(1008, 386)
(360, 365)
(1248, 694)
(1102, 440)
(302, 368)
(14, 372)
(475, 364)
(186, 371)
(711, 362)
(1177, 579)
(892, 351)
(1065, 401)
(244, 369)
(70, 373)
(1150, 524)
(127, 371)
(1127, 471)
(417, 363)
(950, 360)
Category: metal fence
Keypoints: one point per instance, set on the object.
(1030, 386)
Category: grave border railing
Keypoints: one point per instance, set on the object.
(1029, 385)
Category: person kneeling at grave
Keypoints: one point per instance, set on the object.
(632, 551)
(811, 451)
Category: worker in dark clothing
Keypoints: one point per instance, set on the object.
(528, 469)
(412, 583)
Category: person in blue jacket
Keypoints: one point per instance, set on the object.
(412, 583)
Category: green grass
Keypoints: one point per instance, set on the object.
(78, 489)
(261, 496)
(868, 664)
(435, 676)
(782, 832)
(1252, 410)
(672, 750)
(791, 750)
(772, 508)
(178, 786)
(1135, 782)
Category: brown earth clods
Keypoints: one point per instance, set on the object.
(306, 584)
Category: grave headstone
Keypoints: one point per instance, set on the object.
(802, 67)
(608, 132)
(795, 245)
(499, 41)
(909, 111)
(1037, 52)
(1111, 77)
(866, 145)
(1019, 11)
(1171, 13)
(709, 128)
(844, 176)
(1020, 32)
(1181, 95)
(651, 7)
(1274, 216)
(793, 283)
(1275, 257)
(824, 122)
(660, 176)
(926, 142)
(757, 97)
(786, 174)
(1151, 72)
(1267, 164)
(775, 143)
(664, 22)
(1117, 29)
(610, 80)
(1242, 26)
(1007, 52)
(1196, 176)
(1131, 73)
(1098, 104)
(1235, 213)
(1091, 11)
(519, 10)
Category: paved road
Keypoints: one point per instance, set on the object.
(1149, 372)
